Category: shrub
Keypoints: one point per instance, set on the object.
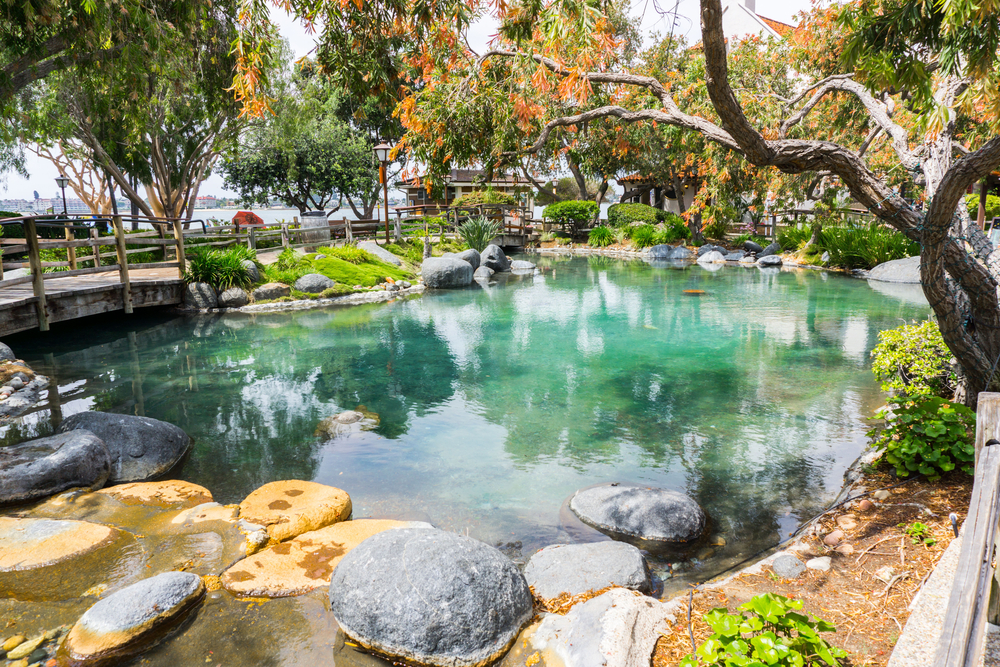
(677, 227)
(644, 236)
(926, 434)
(622, 215)
(479, 231)
(487, 196)
(864, 246)
(349, 253)
(601, 236)
(913, 360)
(574, 213)
(971, 202)
(792, 238)
(717, 228)
(221, 269)
(767, 631)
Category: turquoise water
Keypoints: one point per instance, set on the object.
(496, 404)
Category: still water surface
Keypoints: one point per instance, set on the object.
(495, 404)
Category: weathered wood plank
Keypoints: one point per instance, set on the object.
(37, 281)
(987, 420)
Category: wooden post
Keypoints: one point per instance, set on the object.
(987, 420)
(251, 238)
(284, 235)
(71, 252)
(96, 246)
(179, 243)
(37, 282)
(348, 232)
(123, 263)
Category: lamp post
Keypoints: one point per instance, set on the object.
(62, 182)
(382, 155)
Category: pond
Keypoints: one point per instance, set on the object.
(495, 404)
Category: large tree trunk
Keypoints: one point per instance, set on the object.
(581, 182)
(601, 191)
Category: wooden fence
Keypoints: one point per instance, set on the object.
(975, 592)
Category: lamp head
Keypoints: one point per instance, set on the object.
(62, 181)
(382, 152)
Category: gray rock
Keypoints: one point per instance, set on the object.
(619, 628)
(629, 512)
(429, 596)
(45, 466)
(380, 252)
(319, 256)
(16, 383)
(521, 265)
(269, 291)
(711, 257)
(825, 257)
(788, 566)
(493, 257)
(749, 260)
(252, 270)
(132, 619)
(141, 448)
(735, 256)
(24, 398)
(16, 273)
(821, 564)
(444, 272)
(580, 568)
(769, 260)
(483, 273)
(313, 283)
(708, 247)
(404, 284)
(234, 297)
(668, 252)
(750, 246)
(6, 354)
(772, 249)
(200, 295)
(471, 256)
(897, 271)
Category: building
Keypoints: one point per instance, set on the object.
(207, 201)
(740, 20)
(462, 182)
(660, 196)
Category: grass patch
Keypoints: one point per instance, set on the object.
(367, 274)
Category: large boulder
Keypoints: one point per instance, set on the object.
(200, 295)
(234, 297)
(380, 252)
(708, 247)
(445, 272)
(772, 249)
(292, 507)
(252, 270)
(303, 563)
(132, 619)
(668, 252)
(897, 271)
(619, 628)
(711, 257)
(769, 260)
(29, 544)
(313, 283)
(271, 291)
(6, 354)
(45, 466)
(572, 569)
(652, 517)
(493, 257)
(141, 448)
(750, 246)
(431, 597)
(735, 256)
(471, 256)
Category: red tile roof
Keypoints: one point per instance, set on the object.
(783, 29)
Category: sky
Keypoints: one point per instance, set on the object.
(41, 173)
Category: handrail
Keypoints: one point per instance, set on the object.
(974, 593)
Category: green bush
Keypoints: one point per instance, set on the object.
(478, 231)
(221, 269)
(601, 236)
(717, 228)
(792, 238)
(574, 213)
(971, 202)
(644, 236)
(926, 434)
(768, 631)
(487, 196)
(913, 360)
(349, 253)
(864, 246)
(622, 215)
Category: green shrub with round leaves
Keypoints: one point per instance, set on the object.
(926, 434)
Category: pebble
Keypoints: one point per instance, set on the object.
(38, 655)
(881, 494)
(834, 538)
(821, 564)
(16, 383)
(847, 522)
(19, 663)
(12, 642)
(6, 389)
(24, 649)
(845, 549)
(865, 505)
(885, 574)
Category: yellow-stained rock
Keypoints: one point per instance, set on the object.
(24, 649)
(206, 512)
(292, 507)
(165, 493)
(303, 563)
(11, 642)
(26, 544)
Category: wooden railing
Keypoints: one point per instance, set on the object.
(975, 592)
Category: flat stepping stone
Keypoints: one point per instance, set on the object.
(572, 569)
(788, 566)
(303, 563)
(132, 619)
(430, 597)
(292, 507)
(167, 493)
(47, 466)
(141, 448)
(655, 517)
(27, 544)
(380, 252)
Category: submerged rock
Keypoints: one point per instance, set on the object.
(445, 272)
(291, 507)
(668, 252)
(483, 273)
(582, 568)
(200, 295)
(271, 291)
(166, 493)
(141, 448)
(711, 257)
(429, 596)
(657, 517)
(131, 619)
(46, 466)
(313, 283)
(521, 265)
(492, 257)
(303, 563)
(28, 544)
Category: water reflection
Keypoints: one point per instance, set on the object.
(495, 404)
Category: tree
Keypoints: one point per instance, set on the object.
(87, 182)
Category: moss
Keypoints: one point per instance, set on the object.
(368, 273)
(337, 290)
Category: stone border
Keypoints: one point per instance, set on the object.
(356, 299)
(24, 398)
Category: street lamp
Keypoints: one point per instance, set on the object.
(382, 155)
(62, 182)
